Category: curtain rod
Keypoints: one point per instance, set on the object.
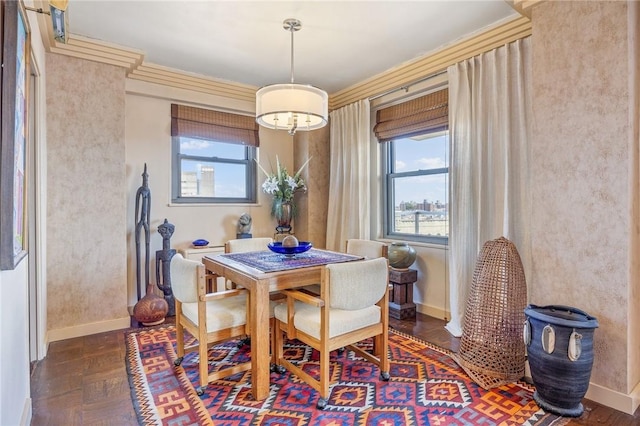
(407, 86)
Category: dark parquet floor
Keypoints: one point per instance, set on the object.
(83, 381)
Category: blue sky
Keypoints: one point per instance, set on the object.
(229, 179)
(411, 154)
(422, 155)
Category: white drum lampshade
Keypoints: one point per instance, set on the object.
(279, 105)
(292, 106)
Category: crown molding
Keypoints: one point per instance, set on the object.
(98, 51)
(136, 68)
(132, 60)
(84, 47)
(405, 74)
(524, 6)
(158, 74)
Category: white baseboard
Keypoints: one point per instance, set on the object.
(617, 400)
(432, 311)
(25, 419)
(88, 329)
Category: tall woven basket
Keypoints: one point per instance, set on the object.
(492, 351)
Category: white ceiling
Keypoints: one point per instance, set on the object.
(341, 42)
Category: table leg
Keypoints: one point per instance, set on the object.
(259, 323)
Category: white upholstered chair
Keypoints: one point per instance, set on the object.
(244, 245)
(368, 249)
(241, 245)
(210, 317)
(353, 305)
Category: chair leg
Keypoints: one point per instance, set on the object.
(381, 347)
(179, 336)
(278, 346)
(325, 378)
(272, 338)
(203, 362)
(322, 403)
(245, 341)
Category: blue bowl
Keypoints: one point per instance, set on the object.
(280, 249)
(200, 243)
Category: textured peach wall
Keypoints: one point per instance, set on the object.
(634, 293)
(86, 233)
(148, 140)
(311, 223)
(581, 172)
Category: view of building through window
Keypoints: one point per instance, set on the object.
(418, 186)
(213, 171)
(198, 183)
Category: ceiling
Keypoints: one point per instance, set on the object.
(341, 42)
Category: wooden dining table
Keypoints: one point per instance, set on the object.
(262, 273)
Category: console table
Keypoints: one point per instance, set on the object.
(401, 304)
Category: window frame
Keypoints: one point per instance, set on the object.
(388, 197)
(176, 174)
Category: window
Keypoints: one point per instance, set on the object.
(213, 156)
(417, 187)
(208, 171)
(415, 151)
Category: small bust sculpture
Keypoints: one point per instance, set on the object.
(244, 225)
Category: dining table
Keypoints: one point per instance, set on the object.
(262, 273)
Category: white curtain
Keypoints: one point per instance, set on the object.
(490, 120)
(349, 204)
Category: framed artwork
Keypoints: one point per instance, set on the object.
(13, 137)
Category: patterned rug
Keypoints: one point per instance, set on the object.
(426, 388)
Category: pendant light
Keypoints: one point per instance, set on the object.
(292, 106)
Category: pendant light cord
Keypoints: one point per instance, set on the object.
(292, 31)
(292, 25)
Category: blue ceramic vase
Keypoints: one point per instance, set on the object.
(559, 343)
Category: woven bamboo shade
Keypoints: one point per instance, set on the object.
(429, 113)
(492, 351)
(226, 127)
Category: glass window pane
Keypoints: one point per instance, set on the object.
(421, 152)
(208, 179)
(233, 181)
(417, 187)
(421, 205)
(205, 148)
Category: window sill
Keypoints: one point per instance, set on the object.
(417, 244)
(214, 205)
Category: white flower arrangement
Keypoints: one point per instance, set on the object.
(281, 185)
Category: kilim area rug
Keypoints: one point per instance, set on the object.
(426, 388)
